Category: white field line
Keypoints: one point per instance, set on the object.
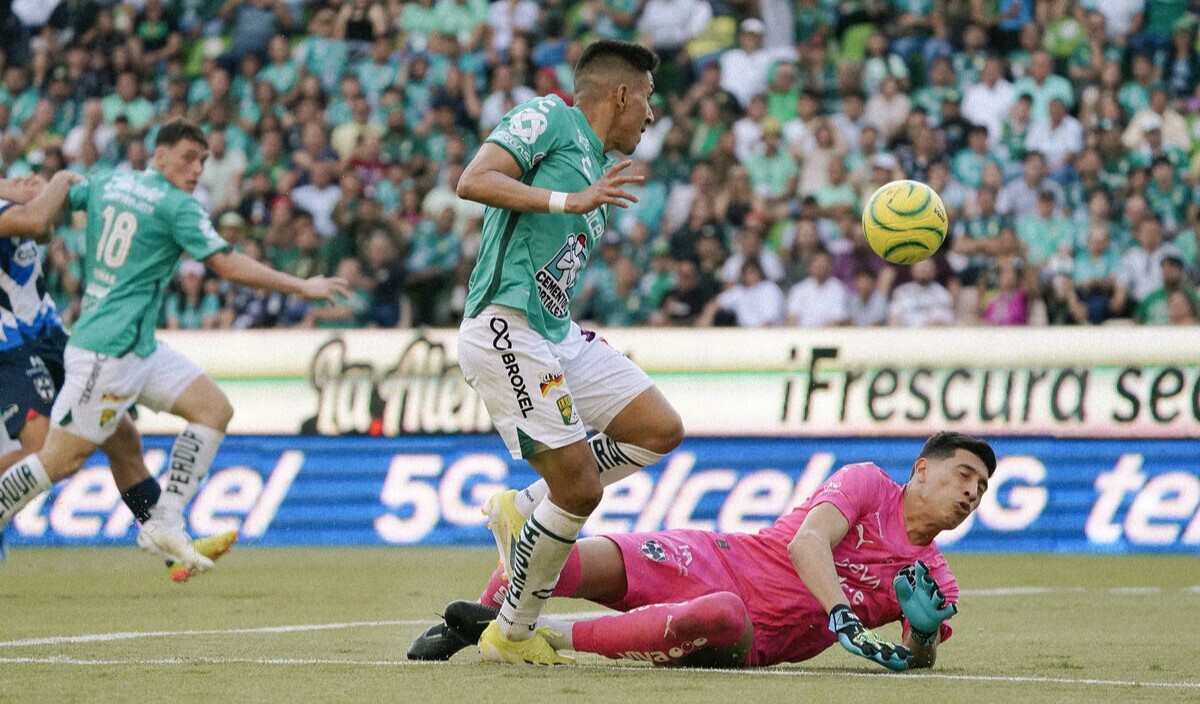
(767, 672)
(789, 672)
(299, 628)
(133, 635)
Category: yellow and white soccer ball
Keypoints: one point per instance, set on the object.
(905, 222)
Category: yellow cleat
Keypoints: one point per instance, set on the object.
(212, 547)
(494, 647)
(505, 522)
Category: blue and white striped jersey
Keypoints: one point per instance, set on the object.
(26, 310)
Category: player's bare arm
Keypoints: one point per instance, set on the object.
(811, 552)
(33, 218)
(240, 269)
(493, 178)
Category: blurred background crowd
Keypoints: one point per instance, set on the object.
(1062, 135)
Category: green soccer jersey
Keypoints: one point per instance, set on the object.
(531, 261)
(138, 225)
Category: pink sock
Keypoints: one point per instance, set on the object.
(709, 628)
(568, 582)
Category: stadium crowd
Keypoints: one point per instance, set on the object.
(1062, 135)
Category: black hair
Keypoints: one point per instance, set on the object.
(634, 56)
(946, 443)
(175, 131)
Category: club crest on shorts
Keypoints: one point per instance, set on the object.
(549, 381)
(107, 415)
(566, 406)
(653, 550)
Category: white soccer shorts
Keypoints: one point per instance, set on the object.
(99, 389)
(544, 395)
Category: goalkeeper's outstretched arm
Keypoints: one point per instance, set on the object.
(811, 552)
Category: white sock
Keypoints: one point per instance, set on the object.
(617, 460)
(191, 456)
(539, 556)
(559, 635)
(22, 483)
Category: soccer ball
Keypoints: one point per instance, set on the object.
(904, 222)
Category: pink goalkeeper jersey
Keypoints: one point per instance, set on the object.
(790, 624)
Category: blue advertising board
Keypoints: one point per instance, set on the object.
(1048, 495)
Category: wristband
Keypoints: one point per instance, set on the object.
(925, 639)
(558, 202)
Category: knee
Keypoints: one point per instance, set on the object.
(666, 433)
(578, 497)
(586, 499)
(60, 463)
(723, 618)
(218, 414)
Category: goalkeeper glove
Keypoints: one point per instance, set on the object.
(922, 602)
(863, 642)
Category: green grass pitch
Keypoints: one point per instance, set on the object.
(300, 625)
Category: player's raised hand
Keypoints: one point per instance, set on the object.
(324, 288)
(863, 642)
(607, 191)
(922, 601)
(70, 177)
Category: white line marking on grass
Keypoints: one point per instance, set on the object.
(65, 660)
(1017, 591)
(299, 628)
(767, 672)
(1121, 591)
(1038, 591)
(787, 672)
(133, 635)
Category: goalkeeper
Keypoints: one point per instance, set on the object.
(857, 555)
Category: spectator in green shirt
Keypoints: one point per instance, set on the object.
(348, 312)
(433, 251)
(1094, 273)
(1167, 196)
(1043, 233)
(660, 279)
(419, 19)
(1134, 95)
(969, 163)
(126, 101)
(1042, 86)
(192, 307)
(1153, 310)
(281, 72)
(774, 173)
(462, 19)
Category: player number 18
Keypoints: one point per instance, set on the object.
(117, 237)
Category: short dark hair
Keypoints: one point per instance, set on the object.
(946, 443)
(634, 56)
(175, 131)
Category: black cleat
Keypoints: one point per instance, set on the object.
(468, 619)
(438, 643)
(464, 623)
